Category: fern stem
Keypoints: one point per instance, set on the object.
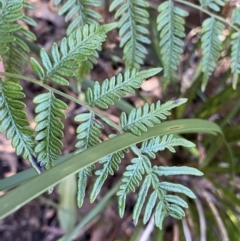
(209, 13)
(82, 103)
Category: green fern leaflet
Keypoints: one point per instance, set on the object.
(141, 118)
(134, 35)
(89, 134)
(73, 50)
(49, 128)
(111, 90)
(211, 47)
(235, 57)
(171, 26)
(13, 120)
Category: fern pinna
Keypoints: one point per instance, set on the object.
(211, 44)
(133, 17)
(171, 26)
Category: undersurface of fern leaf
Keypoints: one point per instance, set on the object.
(131, 178)
(146, 116)
(12, 47)
(235, 57)
(150, 147)
(49, 128)
(89, 134)
(74, 49)
(80, 12)
(171, 26)
(213, 4)
(111, 90)
(211, 47)
(13, 120)
(134, 35)
(110, 164)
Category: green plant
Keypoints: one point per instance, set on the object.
(70, 61)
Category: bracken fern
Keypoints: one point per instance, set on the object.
(75, 57)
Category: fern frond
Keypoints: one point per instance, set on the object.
(211, 47)
(79, 12)
(133, 17)
(89, 133)
(150, 147)
(111, 90)
(12, 47)
(171, 26)
(140, 118)
(235, 57)
(110, 164)
(49, 128)
(13, 120)
(132, 177)
(74, 49)
(215, 5)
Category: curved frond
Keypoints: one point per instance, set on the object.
(111, 90)
(49, 128)
(13, 49)
(215, 5)
(79, 12)
(150, 147)
(74, 49)
(146, 116)
(133, 17)
(235, 57)
(89, 134)
(13, 120)
(171, 26)
(211, 47)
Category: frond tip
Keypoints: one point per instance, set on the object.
(111, 90)
(171, 26)
(150, 147)
(76, 48)
(133, 17)
(211, 47)
(139, 119)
